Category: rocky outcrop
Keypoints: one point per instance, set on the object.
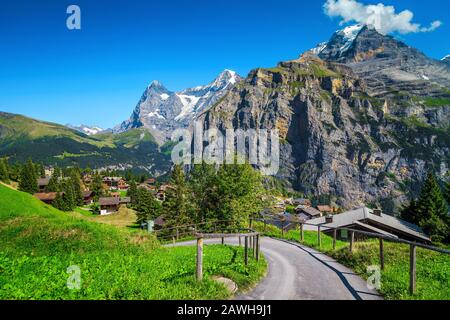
(162, 111)
(336, 138)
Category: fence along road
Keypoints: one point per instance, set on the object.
(297, 272)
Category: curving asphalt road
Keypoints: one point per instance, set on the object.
(297, 272)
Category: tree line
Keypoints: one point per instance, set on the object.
(430, 210)
(229, 193)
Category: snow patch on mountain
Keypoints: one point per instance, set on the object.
(318, 49)
(349, 35)
(189, 103)
(88, 130)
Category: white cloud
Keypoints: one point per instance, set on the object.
(383, 17)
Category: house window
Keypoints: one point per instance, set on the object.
(344, 234)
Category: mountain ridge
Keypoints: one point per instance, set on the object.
(162, 111)
(360, 137)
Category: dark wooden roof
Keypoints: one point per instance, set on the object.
(309, 211)
(88, 194)
(109, 201)
(50, 196)
(125, 200)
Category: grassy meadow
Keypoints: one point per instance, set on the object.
(39, 243)
(433, 269)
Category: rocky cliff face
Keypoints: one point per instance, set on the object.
(162, 111)
(340, 135)
(385, 63)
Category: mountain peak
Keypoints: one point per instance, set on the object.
(226, 77)
(86, 129)
(155, 84)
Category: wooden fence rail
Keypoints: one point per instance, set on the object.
(252, 240)
(322, 227)
(248, 235)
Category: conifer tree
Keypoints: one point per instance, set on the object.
(176, 207)
(75, 181)
(132, 192)
(28, 178)
(59, 203)
(97, 186)
(4, 171)
(430, 211)
(447, 193)
(54, 183)
(69, 195)
(147, 207)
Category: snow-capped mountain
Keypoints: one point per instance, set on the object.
(340, 42)
(382, 60)
(446, 59)
(88, 130)
(162, 111)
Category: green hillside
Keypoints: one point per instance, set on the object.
(38, 243)
(22, 138)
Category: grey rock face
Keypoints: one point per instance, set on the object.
(336, 138)
(162, 111)
(384, 62)
(446, 59)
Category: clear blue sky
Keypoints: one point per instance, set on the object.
(97, 74)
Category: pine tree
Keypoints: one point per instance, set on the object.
(40, 170)
(132, 192)
(147, 207)
(97, 186)
(59, 203)
(432, 210)
(69, 195)
(28, 178)
(203, 183)
(176, 207)
(410, 213)
(54, 183)
(447, 193)
(4, 171)
(75, 181)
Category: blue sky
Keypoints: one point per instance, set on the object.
(97, 74)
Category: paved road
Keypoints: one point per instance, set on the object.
(297, 272)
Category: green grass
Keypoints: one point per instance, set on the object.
(436, 102)
(38, 243)
(433, 269)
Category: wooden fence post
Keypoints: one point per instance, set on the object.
(173, 240)
(302, 234)
(223, 240)
(334, 239)
(240, 241)
(319, 240)
(257, 247)
(381, 254)
(199, 272)
(255, 244)
(246, 250)
(412, 269)
(178, 235)
(352, 240)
